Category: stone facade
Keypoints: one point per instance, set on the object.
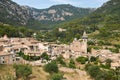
(79, 47)
(7, 59)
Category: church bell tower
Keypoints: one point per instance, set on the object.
(84, 38)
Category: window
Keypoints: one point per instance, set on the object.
(3, 62)
(17, 59)
(2, 58)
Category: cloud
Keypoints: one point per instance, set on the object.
(102, 0)
(72, 2)
(62, 1)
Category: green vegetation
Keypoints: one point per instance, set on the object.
(45, 56)
(82, 60)
(15, 31)
(63, 37)
(60, 60)
(23, 71)
(99, 73)
(51, 67)
(27, 57)
(93, 70)
(108, 62)
(57, 76)
(102, 71)
(93, 59)
(72, 64)
(91, 43)
(117, 45)
(34, 58)
(114, 50)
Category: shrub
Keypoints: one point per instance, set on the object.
(99, 73)
(72, 64)
(93, 70)
(115, 50)
(108, 62)
(91, 43)
(89, 49)
(82, 60)
(93, 59)
(45, 56)
(27, 57)
(57, 76)
(22, 71)
(117, 45)
(51, 67)
(60, 61)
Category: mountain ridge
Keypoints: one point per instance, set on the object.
(14, 14)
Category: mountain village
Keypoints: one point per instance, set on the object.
(9, 47)
(59, 40)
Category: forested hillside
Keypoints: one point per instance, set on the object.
(104, 22)
(12, 31)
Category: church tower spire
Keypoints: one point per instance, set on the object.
(84, 35)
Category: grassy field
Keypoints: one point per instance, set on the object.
(39, 74)
(6, 72)
(76, 76)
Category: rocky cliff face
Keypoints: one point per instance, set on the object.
(59, 13)
(12, 13)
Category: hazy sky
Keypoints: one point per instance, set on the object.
(40, 4)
